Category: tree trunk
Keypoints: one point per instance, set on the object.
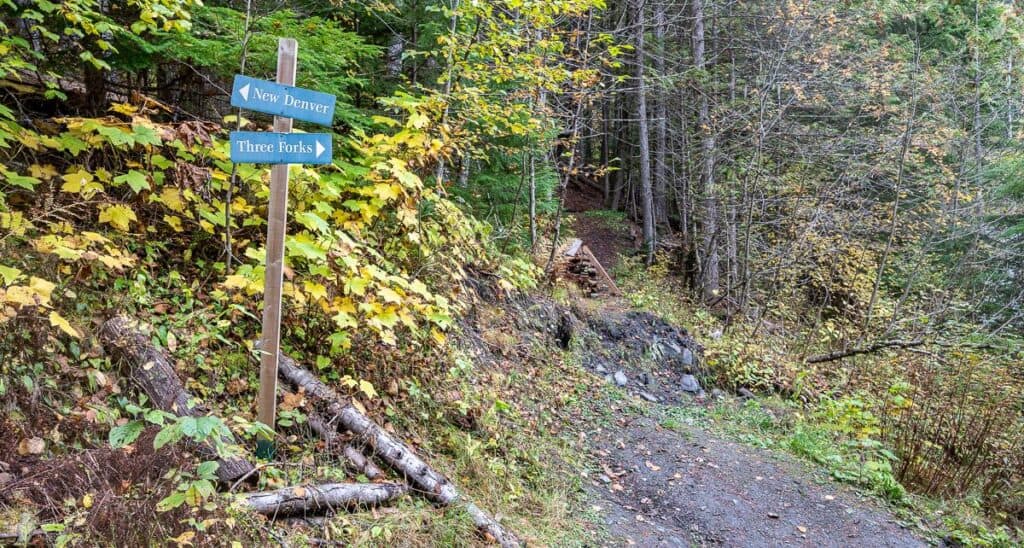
(319, 499)
(605, 151)
(397, 454)
(661, 121)
(533, 200)
(732, 248)
(393, 55)
(621, 137)
(125, 340)
(646, 192)
(709, 267)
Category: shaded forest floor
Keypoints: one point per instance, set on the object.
(607, 233)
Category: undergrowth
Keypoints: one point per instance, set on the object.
(936, 434)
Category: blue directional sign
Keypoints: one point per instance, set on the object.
(282, 100)
(258, 147)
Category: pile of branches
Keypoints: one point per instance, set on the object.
(152, 370)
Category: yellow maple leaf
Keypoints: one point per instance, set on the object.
(76, 181)
(367, 388)
(235, 281)
(45, 172)
(175, 222)
(170, 197)
(118, 216)
(387, 191)
(95, 237)
(57, 320)
(314, 290)
(124, 108)
(42, 288)
(20, 295)
(389, 295)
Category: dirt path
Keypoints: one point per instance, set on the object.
(687, 487)
(606, 240)
(690, 488)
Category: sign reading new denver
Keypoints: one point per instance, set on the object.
(252, 147)
(260, 147)
(281, 100)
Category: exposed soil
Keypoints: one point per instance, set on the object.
(647, 351)
(691, 488)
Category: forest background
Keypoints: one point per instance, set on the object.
(836, 188)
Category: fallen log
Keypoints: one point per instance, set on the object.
(124, 339)
(319, 499)
(329, 433)
(394, 452)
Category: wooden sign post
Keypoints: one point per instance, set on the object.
(280, 148)
(277, 222)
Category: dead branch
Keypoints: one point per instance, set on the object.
(329, 433)
(613, 289)
(840, 354)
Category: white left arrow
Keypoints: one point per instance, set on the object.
(319, 149)
(244, 92)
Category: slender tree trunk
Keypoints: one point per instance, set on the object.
(439, 173)
(908, 134)
(661, 120)
(540, 107)
(732, 248)
(709, 267)
(605, 150)
(644, 159)
(621, 137)
(533, 199)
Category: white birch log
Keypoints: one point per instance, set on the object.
(320, 499)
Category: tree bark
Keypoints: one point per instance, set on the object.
(125, 340)
(319, 499)
(394, 452)
(646, 191)
(709, 267)
(661, 121)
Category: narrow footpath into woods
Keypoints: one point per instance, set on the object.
(684, 486)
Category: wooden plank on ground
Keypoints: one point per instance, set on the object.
(589, 255)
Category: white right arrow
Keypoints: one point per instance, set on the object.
(319, 149)
(244, 92)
